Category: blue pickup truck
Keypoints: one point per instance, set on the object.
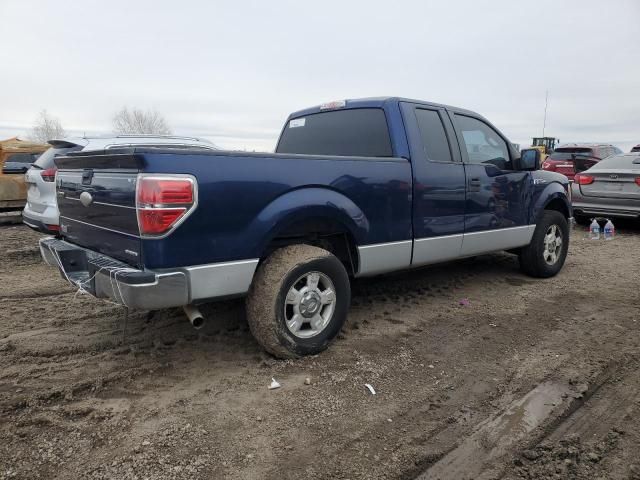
(355, 188)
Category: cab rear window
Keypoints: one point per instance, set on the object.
(361, 132)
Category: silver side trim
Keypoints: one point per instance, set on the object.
(436, 249)
(220, 279)
(100, 227)
(384, 257)
(100, 203)
(476, 243)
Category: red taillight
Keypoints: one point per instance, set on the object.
(162, 201)
(583, 179)
(638, 181)
(49, 174)
(53, 228)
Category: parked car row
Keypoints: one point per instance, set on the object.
(577, 157)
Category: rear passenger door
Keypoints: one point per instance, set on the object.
(438, 184)
(499, 197)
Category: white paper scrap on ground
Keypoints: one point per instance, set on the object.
(274, 384)
(368, 385)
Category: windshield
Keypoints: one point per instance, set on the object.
(619, 162)
(569, 153)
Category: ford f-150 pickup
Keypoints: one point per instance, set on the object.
(355, 188)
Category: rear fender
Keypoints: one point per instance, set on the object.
(303, 204)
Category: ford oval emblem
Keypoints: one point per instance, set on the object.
(86, 199)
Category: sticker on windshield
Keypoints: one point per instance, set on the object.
(297, 122)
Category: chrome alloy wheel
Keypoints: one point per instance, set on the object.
(552, 245)
(309, 305)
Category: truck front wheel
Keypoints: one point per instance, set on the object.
(298, 301)
(545, 255)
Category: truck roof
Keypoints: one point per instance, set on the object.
(375, 102)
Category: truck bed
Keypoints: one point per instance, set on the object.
(241, 199)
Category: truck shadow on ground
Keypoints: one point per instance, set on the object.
(384, 293)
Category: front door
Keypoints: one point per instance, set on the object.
(498, 198)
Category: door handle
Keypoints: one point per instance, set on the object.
(474, 184)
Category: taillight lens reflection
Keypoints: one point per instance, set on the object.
(165, 191)
(156, 221)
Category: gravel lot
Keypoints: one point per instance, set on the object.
(528, 379)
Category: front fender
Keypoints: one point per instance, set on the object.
(305, 203)
(554, 191)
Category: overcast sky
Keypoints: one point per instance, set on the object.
(231, 71)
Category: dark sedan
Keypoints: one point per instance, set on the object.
(611, 188)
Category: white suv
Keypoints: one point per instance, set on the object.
(41, 211)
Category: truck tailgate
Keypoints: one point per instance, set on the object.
(97, 205)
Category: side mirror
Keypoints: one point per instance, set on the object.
(530, 159)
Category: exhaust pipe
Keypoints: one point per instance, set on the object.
(194, 316)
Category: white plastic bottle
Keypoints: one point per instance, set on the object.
(609, 230)
(594, 230)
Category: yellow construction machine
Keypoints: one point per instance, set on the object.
(546, 146)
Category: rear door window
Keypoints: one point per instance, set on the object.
(359, 132)
(434, 137)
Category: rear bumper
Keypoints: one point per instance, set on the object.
(604, 210)
(40, 220)
(105, 277)
(37, 224)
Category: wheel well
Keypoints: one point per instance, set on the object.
(559, 206)
(320, 232)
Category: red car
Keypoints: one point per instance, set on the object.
(577, 157)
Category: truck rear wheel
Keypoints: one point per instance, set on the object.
(545, 255)
(298, 301)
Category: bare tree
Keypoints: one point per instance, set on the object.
(46, 128)
(137, 121)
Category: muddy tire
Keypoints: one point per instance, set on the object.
(545, 255)
(298, 301)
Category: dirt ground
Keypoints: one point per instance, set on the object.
(527, 379)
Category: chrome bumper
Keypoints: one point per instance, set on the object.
(105, 277)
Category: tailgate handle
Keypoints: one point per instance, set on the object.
(87, 176)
